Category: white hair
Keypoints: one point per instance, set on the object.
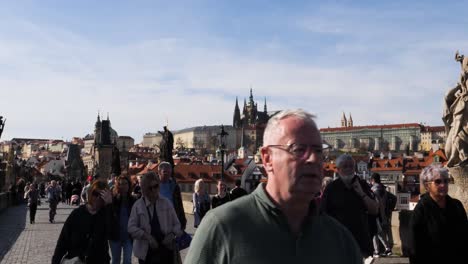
(273, 122)
(196, 187)
(431, 171)
(342, 159)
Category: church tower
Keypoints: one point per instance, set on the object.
(344, 122)
(103, 149)
(237, 118)
(350, 121)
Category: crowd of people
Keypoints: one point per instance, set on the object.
(296, 217)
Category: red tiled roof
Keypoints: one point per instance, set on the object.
(433, 129)
(334, 129)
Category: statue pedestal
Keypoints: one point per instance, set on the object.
(459, 189)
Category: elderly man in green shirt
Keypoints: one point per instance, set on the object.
(279, 222)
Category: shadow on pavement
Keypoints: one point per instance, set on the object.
(12, 223)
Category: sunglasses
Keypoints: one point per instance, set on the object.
(440, 181)
(96, 194)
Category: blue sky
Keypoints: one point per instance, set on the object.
(186, 61)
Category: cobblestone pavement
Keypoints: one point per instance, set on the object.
(25, 243)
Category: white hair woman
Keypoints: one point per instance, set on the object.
(201, 202)
(153, 224)
(439, 223)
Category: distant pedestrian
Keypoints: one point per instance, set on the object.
(222, 196)
(84, 236)
(122, 204)
(12, 189)
(53, 192)
(439, 223)
(238, 191)
(32, 197)
(84, 191)
(69, 190)
(381, 220)
(201, 202)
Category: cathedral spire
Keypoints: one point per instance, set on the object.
(237, 119)
(350, 120)
(251, 101)
(344, 122)
(264, 106)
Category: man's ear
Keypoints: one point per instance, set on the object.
(266, 159)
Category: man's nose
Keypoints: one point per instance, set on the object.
(314, 156)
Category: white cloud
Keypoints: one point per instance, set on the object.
(54, 81)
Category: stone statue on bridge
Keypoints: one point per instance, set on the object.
(166, 146)
(455, 118)
(2, 125)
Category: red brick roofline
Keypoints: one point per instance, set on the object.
(433, 129)
(333, 129)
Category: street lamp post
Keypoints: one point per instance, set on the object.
(222, 148)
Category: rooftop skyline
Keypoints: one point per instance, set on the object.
(151, 62)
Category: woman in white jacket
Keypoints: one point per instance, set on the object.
(153, 224)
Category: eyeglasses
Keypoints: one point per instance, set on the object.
(301, 151)
(440, 181)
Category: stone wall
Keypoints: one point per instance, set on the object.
(459, 189)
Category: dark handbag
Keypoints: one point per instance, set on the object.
(183, 241)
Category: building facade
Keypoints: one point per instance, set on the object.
(431, 136)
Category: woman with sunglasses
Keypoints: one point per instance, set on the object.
(122, 204)
(439, 224)
(85, 233)
(153, 224)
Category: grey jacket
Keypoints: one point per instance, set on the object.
(139, 226)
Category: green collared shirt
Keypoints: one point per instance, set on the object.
(252, 229)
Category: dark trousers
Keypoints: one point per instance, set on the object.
(32, 212)
(161, 255)
(52, 209)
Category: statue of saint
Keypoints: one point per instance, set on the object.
(455, 118)
(166, 146)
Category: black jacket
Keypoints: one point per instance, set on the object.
(438, 235)
(115, 220)
(85, 234)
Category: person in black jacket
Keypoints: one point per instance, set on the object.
(222, 196)
(350, 200)
(85, 233)
(122, 204)
(439, 224)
